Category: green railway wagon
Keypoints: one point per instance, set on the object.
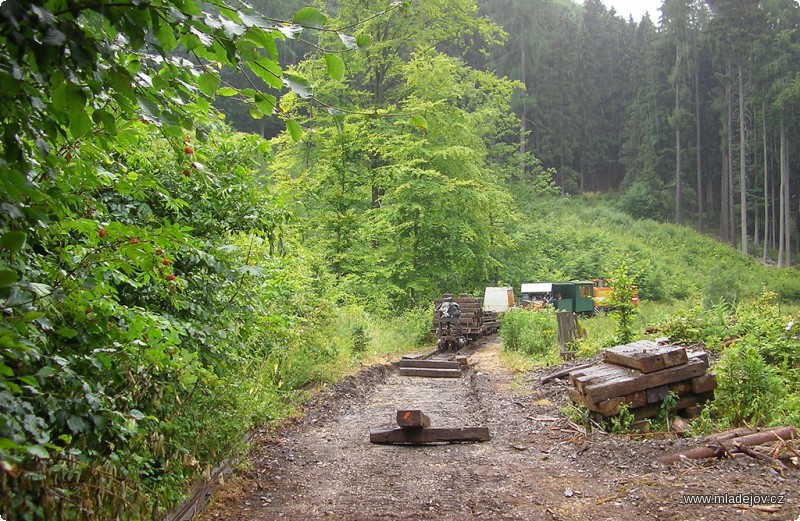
(574, 296)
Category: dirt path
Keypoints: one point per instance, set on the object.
(537, 466)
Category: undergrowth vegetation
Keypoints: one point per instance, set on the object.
(759, 365)
(532, 332)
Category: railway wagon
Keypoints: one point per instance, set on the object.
(473, 322)
(585, 296)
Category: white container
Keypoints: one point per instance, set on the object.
(499, 299)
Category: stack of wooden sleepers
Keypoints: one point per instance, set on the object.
(640, 375)
(475, 322)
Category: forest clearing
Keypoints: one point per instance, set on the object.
(538, 465)
(209, 210)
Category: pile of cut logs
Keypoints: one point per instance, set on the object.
(640, 375)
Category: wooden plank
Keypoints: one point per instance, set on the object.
(611, 406)
(413, 419)
(704, 383)
(681, 388)
(646, 356)
(428, 372)
(594, 374)
(433, 364)
(625, 381)
(656, 394)
(702, 355)
(382, 435)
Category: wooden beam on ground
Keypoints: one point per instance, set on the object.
(611, 406)
(385, 436)
(563, 373)
(431, 364)
(428, 372)
(782, 434)
(646, 356)
(413, 419)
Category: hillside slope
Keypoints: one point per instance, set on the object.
(560, 238)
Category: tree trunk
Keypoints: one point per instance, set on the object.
(523, 130)
(724, 225)
(787, 204)
(782, 217)
(698, 146)
(766, 176)
(729, 173)
(678, 193)
(742, 165)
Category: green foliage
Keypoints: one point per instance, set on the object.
(622, 307)
(749, 389)
(578, 414)
(722, 287)
(758, 376)
(622, 423)
(406, 207)
(691, 322)
(532, 332)
(705, 424)
(581, 238)
(360, 339)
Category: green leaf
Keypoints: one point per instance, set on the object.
(335, 66)
(227, 92)
(208, 83)
(76, 424)
(267, 70)
(255, 112)
(419, 122)
(66, 332)
(46, 371)
(294, 130)
(6, 371)
(41, 290)
(13, 241)
(30, 316)
(165, 34)
(79, 123)
(298, 85)
(310, 17)
(265, 102)
(136, 414)
(363, 40)
(38, 451)
(7, 278)
(108, 121)
(338, 117)
(263, 40)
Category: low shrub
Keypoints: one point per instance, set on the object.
(531, 332)
(749, 388)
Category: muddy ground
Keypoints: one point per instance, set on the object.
(538, 465)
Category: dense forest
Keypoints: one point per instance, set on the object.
(691, 121)
(208, 206)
